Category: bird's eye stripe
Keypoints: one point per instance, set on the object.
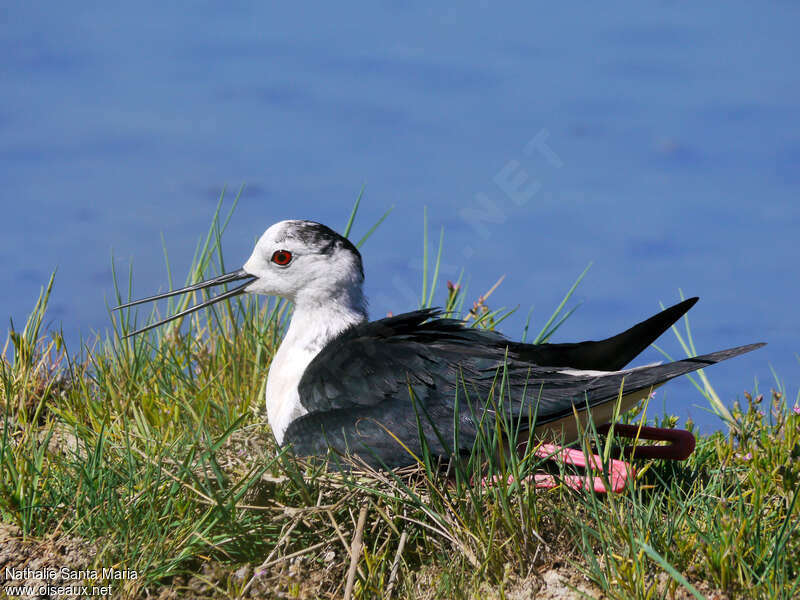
(281, 257)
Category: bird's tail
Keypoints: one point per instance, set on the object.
(602, 391)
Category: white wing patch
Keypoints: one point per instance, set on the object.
(590, 373)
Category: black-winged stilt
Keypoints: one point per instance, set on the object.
(370, 388)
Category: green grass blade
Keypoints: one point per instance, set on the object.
(669, 569)
(351, 219)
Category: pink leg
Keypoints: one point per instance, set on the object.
(619, 473)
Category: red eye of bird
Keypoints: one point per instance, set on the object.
(282, 257)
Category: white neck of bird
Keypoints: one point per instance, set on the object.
(316, 322)
(312, 326)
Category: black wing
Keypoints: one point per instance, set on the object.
(372, 390)
(360, 386)
(611, 354)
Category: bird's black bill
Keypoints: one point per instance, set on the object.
(226, 278)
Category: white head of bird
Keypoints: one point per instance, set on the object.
(308, 264)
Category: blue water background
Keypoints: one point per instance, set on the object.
(659, 140)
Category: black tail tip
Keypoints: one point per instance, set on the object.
(716, 357)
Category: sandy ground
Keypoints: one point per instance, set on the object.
(554, 582)
(73, 553)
